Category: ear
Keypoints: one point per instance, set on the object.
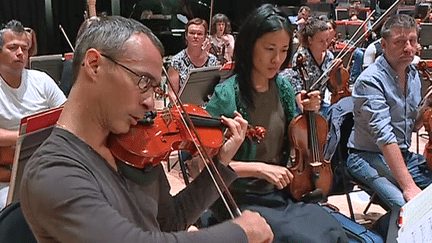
(383, 44)
(309, 40)
(91, 62)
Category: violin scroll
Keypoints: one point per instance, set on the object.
(423, 70)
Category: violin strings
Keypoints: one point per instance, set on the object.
(313, 135)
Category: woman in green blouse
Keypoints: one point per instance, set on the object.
(260, 96)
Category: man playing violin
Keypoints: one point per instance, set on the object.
(386, 111)
(22, 92)
(75, 190)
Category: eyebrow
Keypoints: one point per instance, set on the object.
(150, 76)
(16, 44)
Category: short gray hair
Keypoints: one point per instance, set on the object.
(108, 35)
(402, 21)
(15, 26)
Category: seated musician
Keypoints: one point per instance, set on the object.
(386, 111)
(31, 35)
(354, 10)
(314, 43)
(221, 38)
(195, 55)
(266, 99)
(75, 190)
(301, 18)
(333, 42)
(23, 92)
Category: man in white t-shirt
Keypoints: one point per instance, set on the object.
(22, 92)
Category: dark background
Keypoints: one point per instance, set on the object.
(70, 14)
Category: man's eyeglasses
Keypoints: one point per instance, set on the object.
(144, 82)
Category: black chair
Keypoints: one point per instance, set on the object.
(425, 40)
(13, 226)
(341, 121)
(67, 77)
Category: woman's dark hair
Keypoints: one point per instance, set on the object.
(313, 25)
(261, 21)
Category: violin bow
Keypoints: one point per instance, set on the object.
(324, 77)
(217, 179)
(67, 39)
(344, 49)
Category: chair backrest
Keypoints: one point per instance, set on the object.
(321, 8)
(13, 226)
(424, 34)
(341, 121)
(51, 64)
(67, 77)
(348, 28)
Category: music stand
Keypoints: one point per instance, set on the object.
(200, 85)
(34, 129)
(348, 28)
(322, 8)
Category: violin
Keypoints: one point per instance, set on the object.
(6, 161)
(426, 75)
(427, 123)
(339, 84)
(308, 133)
(218, 51)
(155, 137)
(424, 72)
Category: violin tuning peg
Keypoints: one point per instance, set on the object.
(153, 114)
(148, 118)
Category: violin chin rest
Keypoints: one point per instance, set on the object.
(313, 196)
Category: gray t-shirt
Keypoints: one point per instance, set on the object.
(269, 113)
(70, 193)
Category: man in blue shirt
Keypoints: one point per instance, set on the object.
(386, 111)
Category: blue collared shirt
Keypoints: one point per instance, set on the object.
(382, 113)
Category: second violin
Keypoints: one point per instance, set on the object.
(313, 176)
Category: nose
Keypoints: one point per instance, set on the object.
(20, 51)
(409, 46)
(148, 100)
(277, 57)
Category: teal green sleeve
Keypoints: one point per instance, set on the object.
(287, 96)
(223, 100)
